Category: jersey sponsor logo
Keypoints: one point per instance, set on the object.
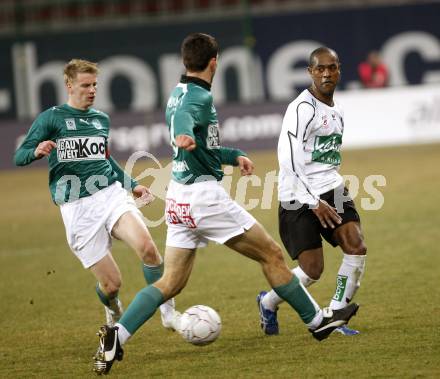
(80, 148)
(70, 123)
(179, 213)
(326, 149)
(341, 283)
(180, 166)
(213, 138)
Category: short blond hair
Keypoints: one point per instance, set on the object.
(78, 66)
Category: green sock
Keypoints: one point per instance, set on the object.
(299, 299)
(104, 298)
(143, 306)
(152, 273)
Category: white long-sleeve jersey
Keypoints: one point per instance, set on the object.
(309, 149)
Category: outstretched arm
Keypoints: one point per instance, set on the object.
(37, 143)
(236, 157)
(185, 142)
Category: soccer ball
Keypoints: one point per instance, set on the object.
(200, 325)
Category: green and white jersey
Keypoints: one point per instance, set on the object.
(80, 165)
(309, 149)
(190, 111)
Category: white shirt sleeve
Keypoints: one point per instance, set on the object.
(296, 128)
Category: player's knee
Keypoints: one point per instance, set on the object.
(314, 271)
(358, 249)
(275, 254)
(148, 252)
(274, 249)
(111, 287)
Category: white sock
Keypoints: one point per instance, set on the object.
(305, 280)
(123, 334)
(271, 300)
(348, 280)
(167, 309)
(316, 320)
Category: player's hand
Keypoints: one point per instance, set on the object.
(327, 215)
(246, 165)
(185, 142)
(143, 195)
(44, 148)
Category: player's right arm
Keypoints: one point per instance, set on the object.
(182, 129)
(37, 143)
(185, 142)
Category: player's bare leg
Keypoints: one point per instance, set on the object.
(108, 276)
(131, 229)
(178, 267)
(258, 245)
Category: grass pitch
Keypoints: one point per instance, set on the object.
(49, 312)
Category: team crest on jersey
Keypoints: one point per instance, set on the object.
(70, 123)
(96, 123)
(324, 121)
(80, 148)
(213, 138)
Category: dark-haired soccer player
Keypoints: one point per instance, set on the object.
(199, 210)
(313, 199)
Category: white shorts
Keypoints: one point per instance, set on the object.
(201, 212)
(90, 220)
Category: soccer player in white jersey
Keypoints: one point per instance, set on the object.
(313, 199)
(198, 210)
(86, 182)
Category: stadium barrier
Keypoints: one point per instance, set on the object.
(382, 117)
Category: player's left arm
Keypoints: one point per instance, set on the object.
(126, 180)
(236, 157)
(246, 165)
(139, 191)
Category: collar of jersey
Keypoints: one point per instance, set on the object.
(192, 79)
(76, 110)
